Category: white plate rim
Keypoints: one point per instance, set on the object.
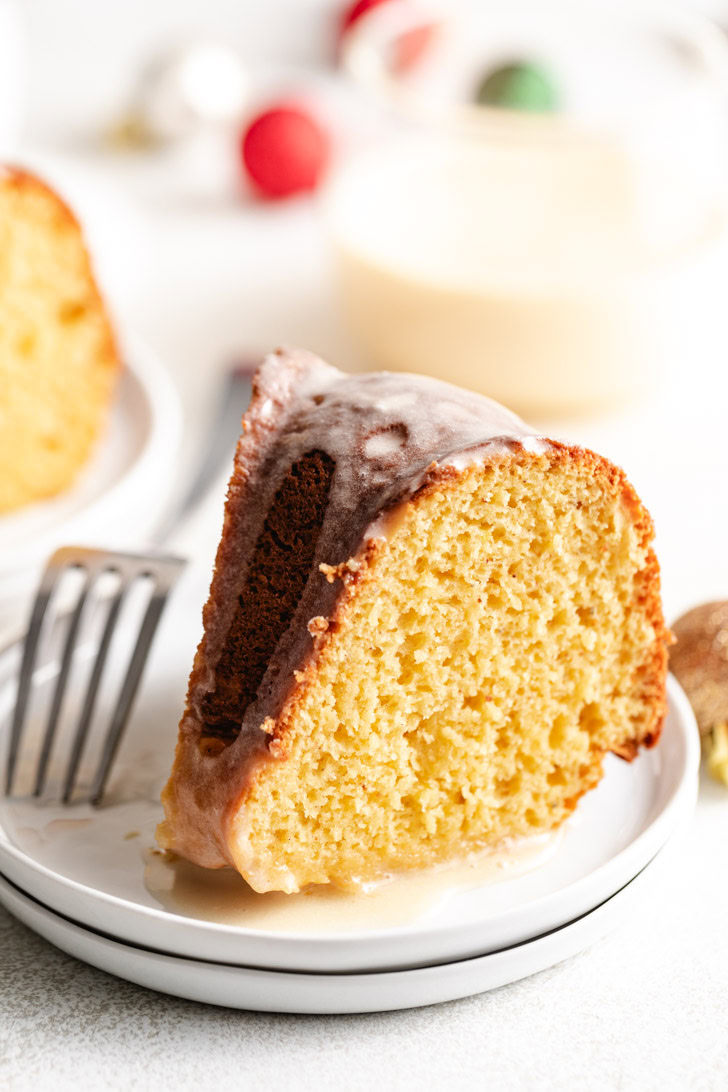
(305, 992)
(303, 952)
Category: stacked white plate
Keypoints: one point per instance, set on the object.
(92, 883)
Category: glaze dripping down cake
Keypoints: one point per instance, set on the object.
(58, 361)
(425, 630)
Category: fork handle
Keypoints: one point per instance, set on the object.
(199, 532)
(200, 506)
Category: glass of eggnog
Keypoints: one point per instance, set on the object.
(541, 215)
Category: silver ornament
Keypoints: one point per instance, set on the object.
(198, 85)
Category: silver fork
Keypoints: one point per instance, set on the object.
(163, 572)
(129, 568)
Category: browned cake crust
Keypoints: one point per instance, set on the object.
(323, 467)
(20, 179)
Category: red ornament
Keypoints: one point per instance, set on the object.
(355, 11)
(407, 48)
(285, 151)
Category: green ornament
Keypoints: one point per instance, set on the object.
(519, 86)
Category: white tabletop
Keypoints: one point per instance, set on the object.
(204, 280)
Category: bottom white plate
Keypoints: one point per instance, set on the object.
(276, 991)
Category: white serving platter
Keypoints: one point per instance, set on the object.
(99, 868)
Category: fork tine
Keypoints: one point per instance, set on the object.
(25, 679)
(91, 692)
(92, 563)
(69, 648)
(128, 690)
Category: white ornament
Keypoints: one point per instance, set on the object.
(198, 85)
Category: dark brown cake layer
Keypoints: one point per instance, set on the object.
(278, 573)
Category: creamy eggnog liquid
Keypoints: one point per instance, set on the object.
(223, 896)
(553, 278)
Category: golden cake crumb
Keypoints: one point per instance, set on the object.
(57, 356)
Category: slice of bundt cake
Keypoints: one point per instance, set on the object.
(57, 355)
(426, 628)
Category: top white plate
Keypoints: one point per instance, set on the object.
(115, 502)
(100, 868)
